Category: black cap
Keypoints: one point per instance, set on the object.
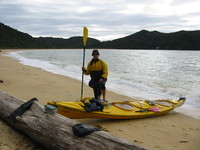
(95, 51)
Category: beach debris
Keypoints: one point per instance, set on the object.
(21, 109)
(81, 130)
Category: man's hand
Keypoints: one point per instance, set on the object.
(101, 80)
(83, 69)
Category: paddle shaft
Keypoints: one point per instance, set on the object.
(83, 73)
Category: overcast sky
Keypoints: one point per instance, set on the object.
(105, 19)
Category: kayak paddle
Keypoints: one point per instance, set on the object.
(85, 36)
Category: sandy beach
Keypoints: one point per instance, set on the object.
(173, 131)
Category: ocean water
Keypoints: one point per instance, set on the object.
(141, 74)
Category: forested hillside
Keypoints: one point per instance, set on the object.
(181, 40)
(11, 38)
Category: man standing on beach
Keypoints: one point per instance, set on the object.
(98, 71)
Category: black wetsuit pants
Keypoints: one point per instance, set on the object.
(97, 87)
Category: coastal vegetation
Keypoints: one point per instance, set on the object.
(11, 38)
(181, 40)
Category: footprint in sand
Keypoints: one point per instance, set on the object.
(136, 141)
(183, 141)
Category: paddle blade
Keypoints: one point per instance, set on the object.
(85, 35)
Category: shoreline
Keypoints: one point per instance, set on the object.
(49, 93)
(171, 131)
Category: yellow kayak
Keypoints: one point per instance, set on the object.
(93, 108)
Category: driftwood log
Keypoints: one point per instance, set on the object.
(55, 131)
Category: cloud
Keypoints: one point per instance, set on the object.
(105, 19)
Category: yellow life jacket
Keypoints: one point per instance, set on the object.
(97, 69)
